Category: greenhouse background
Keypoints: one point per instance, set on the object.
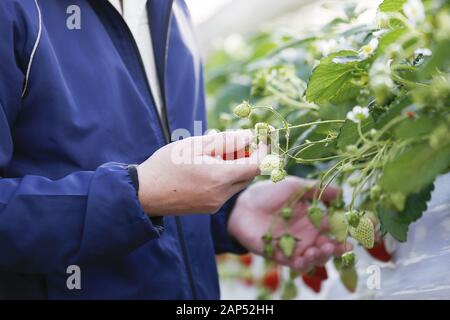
(231, 32)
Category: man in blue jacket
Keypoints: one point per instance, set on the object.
(88, 88)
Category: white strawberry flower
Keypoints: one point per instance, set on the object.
(379, 33)
(358, 114)
(368, 49)
(382, 20)
(325, 47)
(423, 52)
(380, 74)
(414, 11)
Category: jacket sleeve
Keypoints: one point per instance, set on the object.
(80, 219)
(223, 241)
(46, 225)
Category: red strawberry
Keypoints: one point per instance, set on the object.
(379, 252)
(246, 259)
(248, 281)
(235, 155)
(314, 279)
(271, 280)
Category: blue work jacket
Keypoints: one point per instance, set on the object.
(75, 110)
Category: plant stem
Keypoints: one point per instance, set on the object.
(407, 83)
(300, 160)
(361, 135)
(287, 100)
(312, 123)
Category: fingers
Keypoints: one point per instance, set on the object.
(321, 240)
(341, 248)
(330, 193)
(245, 169)
(306, 262)
(315, 255)
(324, 225)
(325, 252)
(218, 144)
(310, 256)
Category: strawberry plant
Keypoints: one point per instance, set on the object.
(369, 111)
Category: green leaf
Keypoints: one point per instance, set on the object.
(338, 225)
(331, 82)
(349, 132)
(414, 168)
(389, 38)
(391, 5)
(287, 244)
(394, 110)
(439, 60)
(415, 128)
(397, 223)
(317, 151)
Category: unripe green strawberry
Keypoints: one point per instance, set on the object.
(269, 251)
(243, 110)
(278, 175)
(263, 132)
(364, 233)
(352, 149)
(287, 244)
(286, 213)
(289, 290)
(267, 237)
(353, 218)
(373, 132)
(348, 260)
(270, 163)
(337, 261)
(262, 126)
(349, 278)
(375, 192)
(338, 225)
(353, 181)
(262, 129)
(315, 214)
(259, 83)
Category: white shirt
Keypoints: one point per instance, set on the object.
(134, 13)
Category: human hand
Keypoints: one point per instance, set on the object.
(190, 175)
(256, 208)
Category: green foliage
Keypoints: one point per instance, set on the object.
(348, 134)
(415, 167)
(331, 82)
(391, 5)
(397, 223)
(362, 107)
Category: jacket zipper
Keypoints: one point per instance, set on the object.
(166, 133)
